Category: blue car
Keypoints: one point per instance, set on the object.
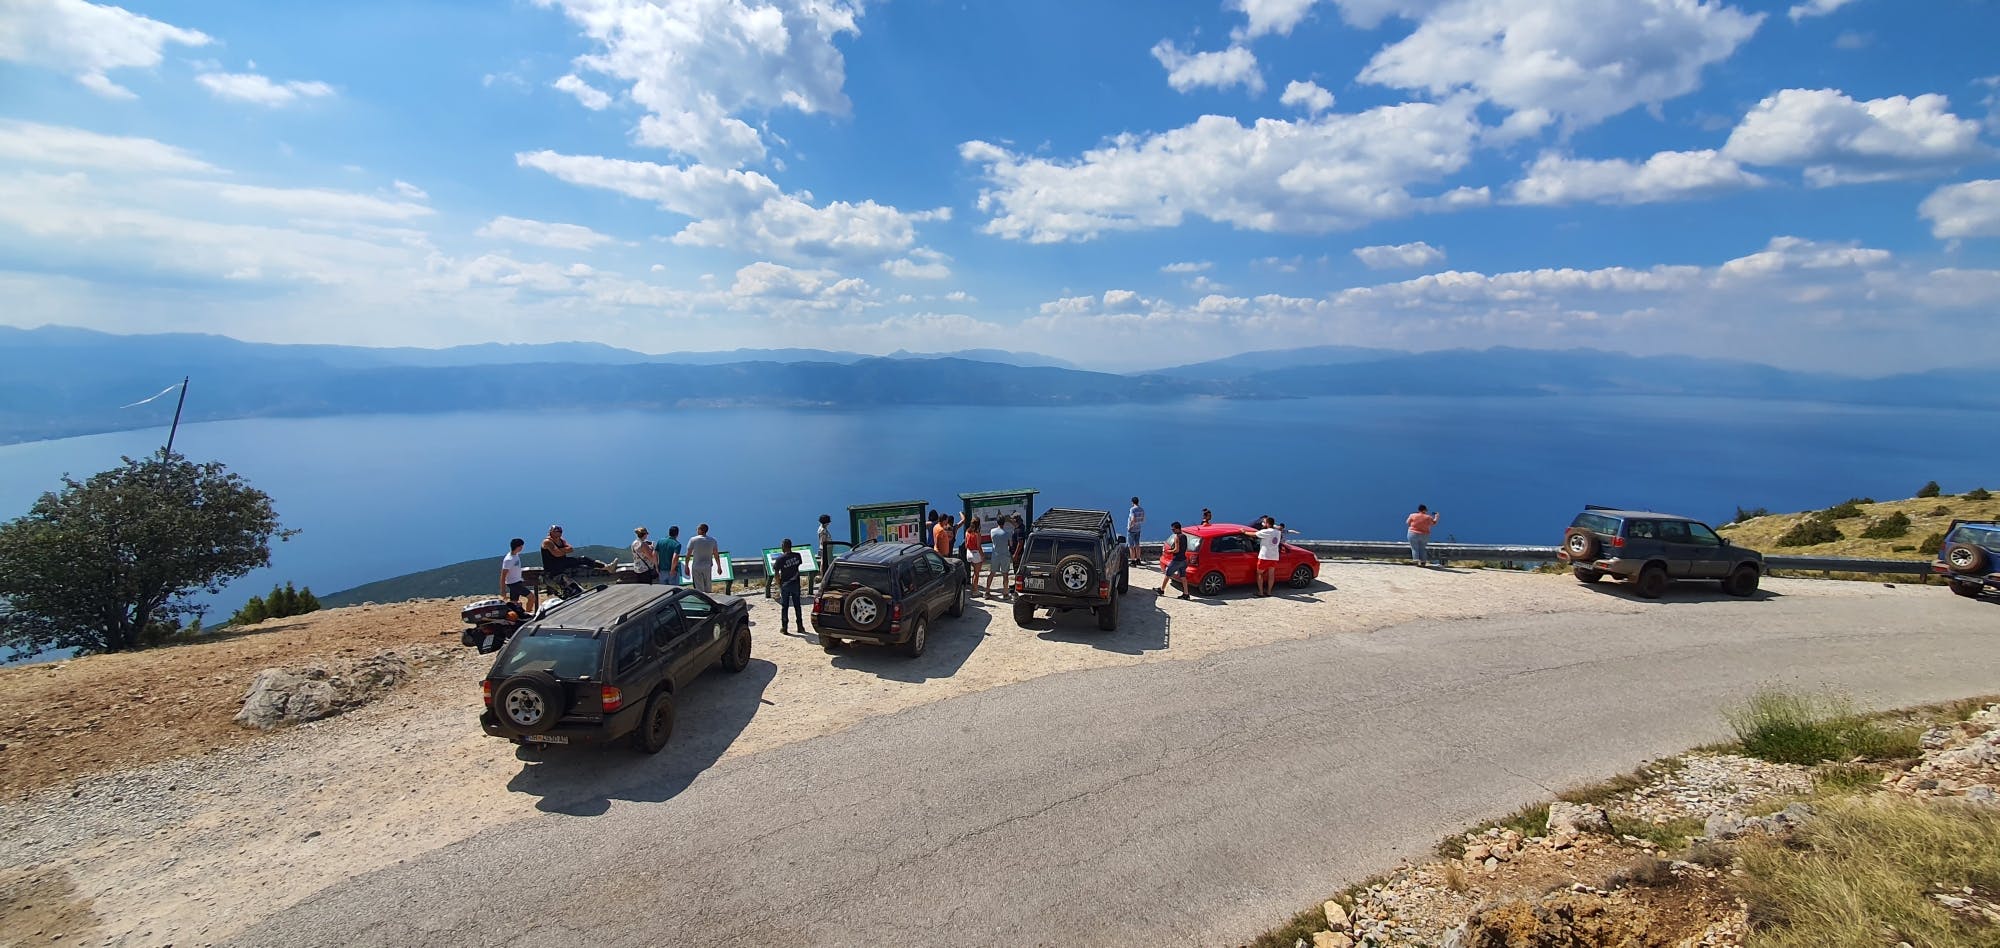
(1970, 556)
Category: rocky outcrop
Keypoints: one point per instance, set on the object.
(285, 696)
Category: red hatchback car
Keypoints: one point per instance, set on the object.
(1221, 555)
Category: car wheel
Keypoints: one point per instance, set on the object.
(830, 643)
(1125, 581)
(1023, 614)
(1580, 544)
(866, 609)
(1584, 575)
(1107, 616)
(658, 725)
(1652, 582)
(1076, 574)
(1968, 590)
(1965, 558)
(1742, 582)
(529, 703)
(959, 601)
(920, 636)
(1302, 577)
(738, 656)
(1212, 583)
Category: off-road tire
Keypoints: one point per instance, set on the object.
(1581, 544)
(1966, 559)
(1742, 581)
(1125, 580)
(1652, 582)
(1107, 616)
(865, 609)
(958, 602)
(1968, 590)
(737, 656)
(529, 703)
(1302, 577)
(1024, 613)
(1212, 583)
(1585, 574)
(656, 725)
(1075, 575)
(920, 636)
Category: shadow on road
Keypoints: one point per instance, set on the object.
(1680, 592)
(1142, 626)
(710, 713)
(950, 643)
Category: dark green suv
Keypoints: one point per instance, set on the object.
(1970, 556)
(1651, 550)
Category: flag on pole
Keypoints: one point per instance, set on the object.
(145, 400)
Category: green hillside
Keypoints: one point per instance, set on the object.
(470, 578)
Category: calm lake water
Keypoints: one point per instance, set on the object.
(376, 496)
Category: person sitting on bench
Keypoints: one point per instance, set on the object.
(558, 556)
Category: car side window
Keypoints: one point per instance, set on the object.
(1701, 535)
(668, 628)
(1673, 531)
(629, 646)
(1229, 544)
(695, 609)
(906, 578)
(1639, 529)
(934, 567)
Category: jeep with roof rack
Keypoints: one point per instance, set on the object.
(1072, 559)
(1969, 557)
(1651, 550)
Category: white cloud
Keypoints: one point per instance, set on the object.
(543, 233)
(1270, 16)
(1810, 8)
(1313, 175)
(695, 66)
(1797, 253)
(322, 203)
(259, 90)
(1581, 60)
(590, 96)
(1853, 39)
(694, 191)
(1308, 96)
(1235, 66)
(1388, 256)
(1666, 176)
(1966, 209)
(411, 191)
(1191, 266)
(86, 40)
(61, 147)
(824, 289)
(1838, 140)
(922, 264)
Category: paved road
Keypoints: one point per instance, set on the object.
(1175, 803)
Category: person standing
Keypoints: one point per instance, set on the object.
(975, 552)
(1135, 523)
(941, 534)
(786, 563)
(825, 541)
(1003, 559)
(1421, 523)
(1270, 544)
(1206, 517)
(645, 555)
(512, 584)
(702, 554)
(1177, 549)
(669, 552)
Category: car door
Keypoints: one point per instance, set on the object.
(702, 632)
(935, 575)
(1678, 548)
(1232, 553)
(637, 661)
(1708, 556)
(675, 645)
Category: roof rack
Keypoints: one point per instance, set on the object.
(1068, 518)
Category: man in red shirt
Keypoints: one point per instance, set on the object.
(1421, 523)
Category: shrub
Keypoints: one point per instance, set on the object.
(1750, 514)
(1929, 490)
(1889, 527)
(1845, 510)
(1903, 548)
(1811, 531)
(1979, 493)
(1787, 728)
(1932, 544)
(1940, 511)
(282, 602)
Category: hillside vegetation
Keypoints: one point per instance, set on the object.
(480, 577)
(1928, 517)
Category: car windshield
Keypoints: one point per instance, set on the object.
(1596, 523)
(845, 575)
(1050, 549)
(1988, 537)
(560, 652)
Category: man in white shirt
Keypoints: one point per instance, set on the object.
(1270, 545)
(1135, 523)
(701, 557)
(512, 585)
(1003, 558)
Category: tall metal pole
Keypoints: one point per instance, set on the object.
(177, 415)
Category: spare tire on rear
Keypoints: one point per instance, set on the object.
(865, 608)
(1076, 574)
(1965, 558)
(1580, 544)
(529, 703)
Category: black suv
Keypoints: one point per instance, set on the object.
(1072, 560)
(1970, 556)
(608, 663)
(1654, 549)
(887, 593)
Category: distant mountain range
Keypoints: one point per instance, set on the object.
(62, 381)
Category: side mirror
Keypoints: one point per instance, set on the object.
(1121, 541)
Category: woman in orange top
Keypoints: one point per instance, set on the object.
(1421, 523)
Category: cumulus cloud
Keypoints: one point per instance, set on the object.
(260, 90)
(317, 203)
(1838, 140)
(411, 191)
(1308, 96)
(1581, 60)
(922, 264)
(589, 96)
(1270, 16)
(825, 288)
(1798, 253)
(1966, 209)
(1220, 69)
(544, 234)
(1389, 256)
(87, 40)
(1666, 176)
(696, 66)
(1313, 175)
(1812, 8)
(59, 146)
(1189, 266)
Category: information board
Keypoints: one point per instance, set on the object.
(989, 506)
(902, 521)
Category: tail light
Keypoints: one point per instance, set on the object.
(896, 616)
(613, 698)
(1618, 541)
(486, 692)
(1020, 585)
(819, 605)
(1104, 589)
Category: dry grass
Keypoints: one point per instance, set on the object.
(1862, 873)
(1787, 728)
(1762, 533)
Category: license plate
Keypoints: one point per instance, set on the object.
(548, 738)
(1034, 584)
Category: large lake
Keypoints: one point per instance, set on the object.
(380, 495)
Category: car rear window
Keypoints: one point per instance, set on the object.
(559, 652)
(1988, 537)
(1051, 549)
(1596, 523)
(845, 575)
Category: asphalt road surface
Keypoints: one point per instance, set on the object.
(1193, 802)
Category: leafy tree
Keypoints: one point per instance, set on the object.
(1811, 531)
(1888, 528)
(99, 563)
(1979, 493)
(283, 601)
(1930, 490)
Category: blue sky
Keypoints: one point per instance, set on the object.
(1811, 184)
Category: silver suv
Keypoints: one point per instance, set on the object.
(1651, 550)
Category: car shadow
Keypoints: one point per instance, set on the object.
(1680, 592)
(951, 643)
(1142, 627)
(583, 781)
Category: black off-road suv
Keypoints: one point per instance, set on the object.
(888, 594)
(1072, 560)
(1970, 556)
(609, 663)
(1651, 550)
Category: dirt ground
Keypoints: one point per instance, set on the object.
(164, 823)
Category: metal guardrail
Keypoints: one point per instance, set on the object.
(1393, 550)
